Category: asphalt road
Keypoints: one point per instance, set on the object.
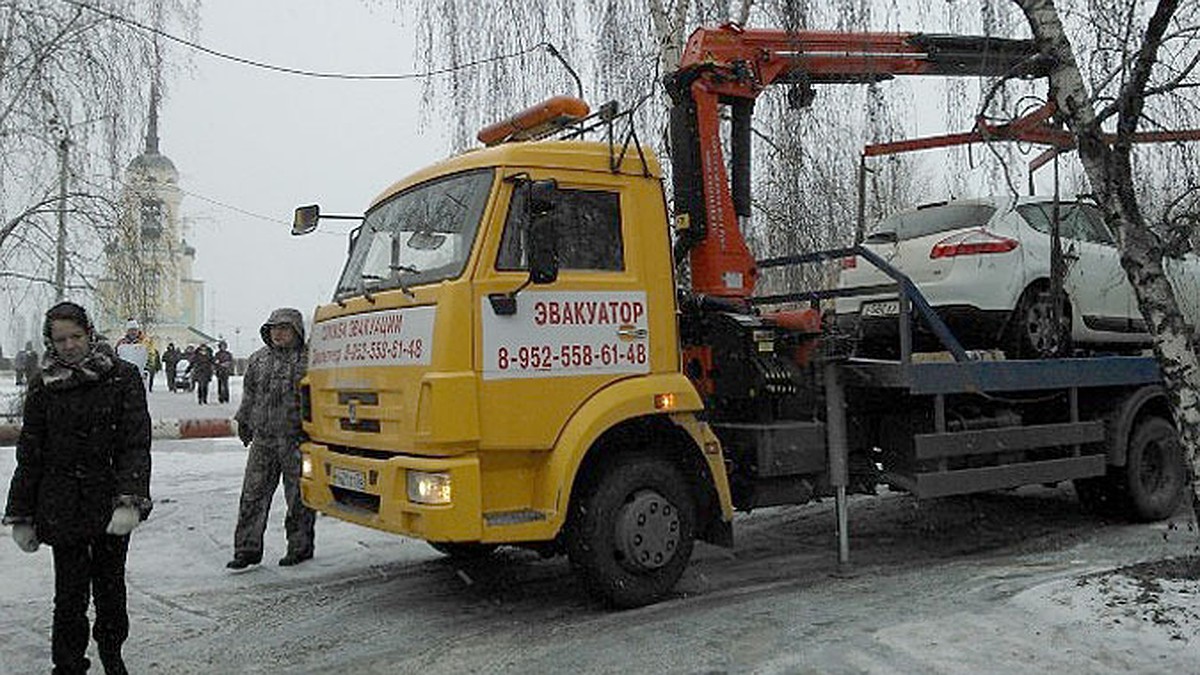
(1017, 581)
(164, 404)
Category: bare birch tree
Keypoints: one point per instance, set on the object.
(1144, 33)
(73, 88)
(621, 49)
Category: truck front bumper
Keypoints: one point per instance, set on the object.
(373, 491)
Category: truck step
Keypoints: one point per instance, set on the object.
(1007, 439)
(964, 481)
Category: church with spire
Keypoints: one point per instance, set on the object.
(148, 262)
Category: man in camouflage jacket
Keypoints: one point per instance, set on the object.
(269, 425)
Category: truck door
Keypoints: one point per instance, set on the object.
(568, 339)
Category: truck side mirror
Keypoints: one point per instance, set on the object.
(542, 197)
(543, 249)
(543, 232)
(306, 219)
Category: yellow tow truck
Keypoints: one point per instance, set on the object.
(510, 357)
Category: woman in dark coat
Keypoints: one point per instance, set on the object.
(82, 482)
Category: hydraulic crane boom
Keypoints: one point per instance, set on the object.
(732, 66)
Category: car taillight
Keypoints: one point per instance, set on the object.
(974, 242)
(850, 262)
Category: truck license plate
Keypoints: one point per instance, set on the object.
(349, 479)
(885, 308)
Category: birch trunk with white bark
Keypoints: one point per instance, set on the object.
(1109, 169)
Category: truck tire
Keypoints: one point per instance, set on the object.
(631, 531)
(464, 550)
(1154, 475)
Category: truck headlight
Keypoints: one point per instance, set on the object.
(429, 487)
(306, 465)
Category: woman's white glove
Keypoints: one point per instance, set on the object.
(26, 538)
(124, 519)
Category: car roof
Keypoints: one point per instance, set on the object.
(944, 216)
(1003, 201)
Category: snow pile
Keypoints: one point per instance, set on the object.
(1140, 602)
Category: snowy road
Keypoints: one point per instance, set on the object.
(995, 584)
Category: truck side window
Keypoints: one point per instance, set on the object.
(589, 231)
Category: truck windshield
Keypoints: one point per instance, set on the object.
(421, 235)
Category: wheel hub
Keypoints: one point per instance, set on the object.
(647, 531)
(1152, 474)
(1040, 328)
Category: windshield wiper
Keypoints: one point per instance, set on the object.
(362, 285)
(363, 278)
(403, 287)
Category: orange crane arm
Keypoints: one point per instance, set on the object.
(731, 66)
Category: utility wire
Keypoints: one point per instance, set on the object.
(299, 71)
(231, 207)
(215, 202)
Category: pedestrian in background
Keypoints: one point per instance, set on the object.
(132, 347)
(33, 363)
(25, 362)
(170, 360)
(268, 422)
(223, 363)
(200, 367)
(153, 365)
(82, 483)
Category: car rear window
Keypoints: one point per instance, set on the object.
(930, 220)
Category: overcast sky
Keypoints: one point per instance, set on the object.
(264, 142)
(251, 145)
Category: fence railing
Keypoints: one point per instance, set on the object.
(908, 296)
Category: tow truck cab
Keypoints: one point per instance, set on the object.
(453, 393)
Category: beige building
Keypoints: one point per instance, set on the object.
(148, 262)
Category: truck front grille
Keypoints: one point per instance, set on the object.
(370, 426)
(362, 452)
(355, 500)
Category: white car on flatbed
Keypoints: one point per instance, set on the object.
(984, 266)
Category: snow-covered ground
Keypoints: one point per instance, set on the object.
(922, 600)
(1004, 583)
(177, 560)
(163, 404)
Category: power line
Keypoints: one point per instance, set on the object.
(210, 200)
(237, 209)
(126, 184)
(231, 207)
(298, 71)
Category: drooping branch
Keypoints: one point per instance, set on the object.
(1110, 170)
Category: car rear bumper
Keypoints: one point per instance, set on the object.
(974, 328)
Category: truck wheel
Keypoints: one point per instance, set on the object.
(464, 550)
(1155, 474)
(1031, 331)
(631, 531)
